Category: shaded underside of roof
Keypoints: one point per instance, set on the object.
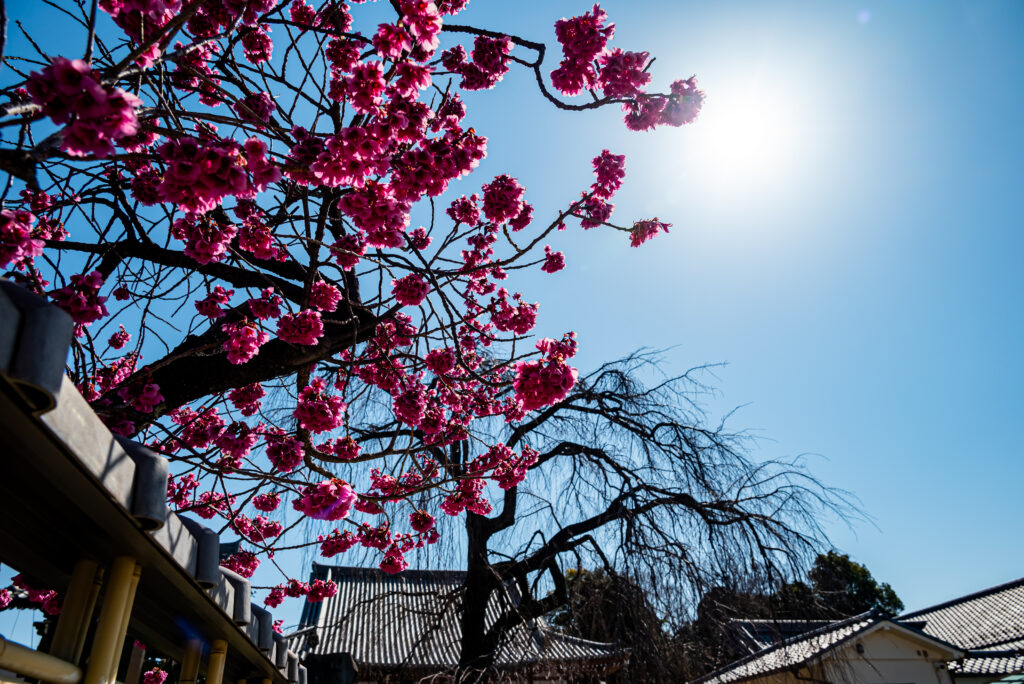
(794, 652)
(409, 621)
(989, 619)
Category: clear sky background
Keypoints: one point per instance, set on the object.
(847, 239)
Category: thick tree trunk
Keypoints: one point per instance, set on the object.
(477, 651)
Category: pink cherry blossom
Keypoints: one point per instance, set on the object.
(18, 245)
(284, 452)
(643, 231)
(81, 299)
(327, 500)
(321, 589)
(244, 341)
(244, 563)
(324, 296)
(410, 290)
(266, 502)
(318, 411)
(71, 93)
(154, 676)
(247, 398)
(503, 199)
(209, 306)
(119, 339)
(266, 306)
(553, 261)
(304, 327)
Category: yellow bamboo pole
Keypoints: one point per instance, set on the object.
(108, 635)
(73, 614)
(190, 663)
(36, 664)
(79, 602)
(83, 631)
(215, 665)
(125, 618)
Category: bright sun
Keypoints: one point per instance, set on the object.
(746, 137)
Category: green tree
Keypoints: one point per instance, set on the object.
(841, 587)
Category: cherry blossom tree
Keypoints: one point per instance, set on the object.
(249, 209)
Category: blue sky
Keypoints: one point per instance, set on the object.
(846, 239)
(856, 263)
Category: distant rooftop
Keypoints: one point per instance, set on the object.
(409, 622)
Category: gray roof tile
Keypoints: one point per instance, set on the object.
(986, 620)
(410, 621)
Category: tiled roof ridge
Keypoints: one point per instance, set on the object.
(1012, 584)
(320, 571)
(580, 640)
(873, 615)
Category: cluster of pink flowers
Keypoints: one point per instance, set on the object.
(553, 261)
(375, 210)
(255, 108)
(518, 319)
(327, 500)
(18, 245)
(622, 73)
(236, 443)
(643, 231)
(582, 38)
(324, 296)
(421, 521)
(266, 306)
(181, 493)
(336, 542)
(304, 327)
(321, 589)
(285, 453)
(258, 529)
(410, 290)
(119, 339)
(467, 496)
(210, 504)
(244, 563)
(440, 361)
(209, 305)
(610, 170)
(588, 64)
(140, 19)
(51, 602)
(503, 199)
(547, 381)
(318, 411)
(347, 251)
(198, 429)
(143, 397)
(97, 117)
(465, 210)
(154, 676)
(206, 239)
(244, 341)
(198, 175)
(488, 66)
(82, 300)
(266, 502)
(247, 398)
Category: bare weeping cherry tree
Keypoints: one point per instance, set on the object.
(631, 477)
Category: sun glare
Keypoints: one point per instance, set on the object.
(746, 137)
